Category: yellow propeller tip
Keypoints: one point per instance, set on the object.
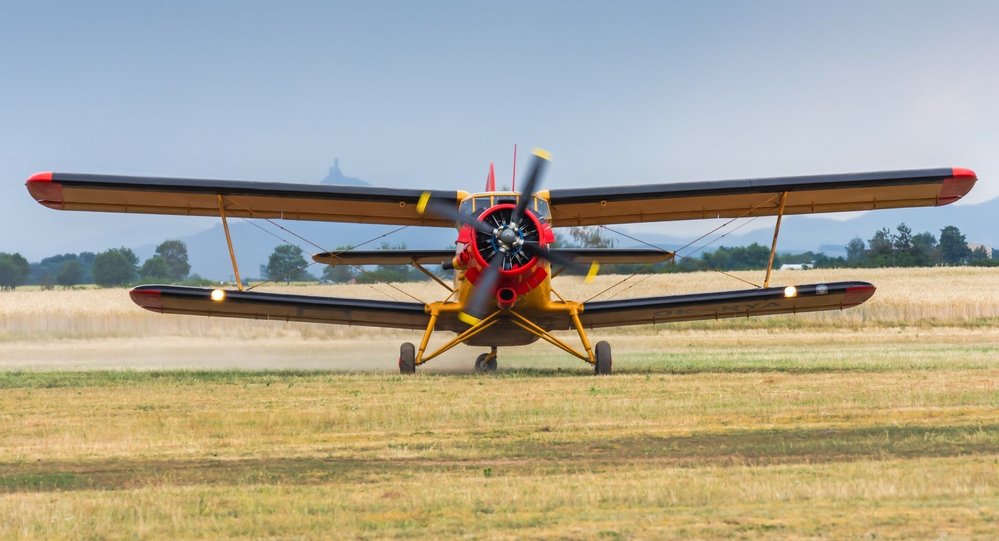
(421, 205)
(468, 319)
(592, 273)
(543, 154)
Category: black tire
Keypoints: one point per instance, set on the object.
(483, 363)
(407, 359)
(603, 364)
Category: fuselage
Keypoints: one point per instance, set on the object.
(525, 282)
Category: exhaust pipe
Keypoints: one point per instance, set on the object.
(506, 297)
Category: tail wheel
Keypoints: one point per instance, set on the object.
(407, 359)
(603, 354)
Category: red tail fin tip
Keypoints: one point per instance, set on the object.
(491, 179)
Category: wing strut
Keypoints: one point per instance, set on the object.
(432, 276)
(228, 241)
(773, 245)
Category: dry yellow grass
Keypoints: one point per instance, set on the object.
(896, 454)
(956, 296)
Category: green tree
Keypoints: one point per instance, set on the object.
(115, 267)
(953, 246)
(286, 263)
(590, 237)
(174, 254)
(904, 254)
(157, 268)
(902, 239)
(881, 252)
(924, 246)
(14, 270)
(754, 256)
(855, 251)
(70, 274)
(338, 274)
(978, 254)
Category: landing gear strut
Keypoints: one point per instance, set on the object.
(486, 362)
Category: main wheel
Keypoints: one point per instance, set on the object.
(603, 353)
(407, 359)
(485, 363)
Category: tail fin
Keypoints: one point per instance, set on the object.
(491, 179)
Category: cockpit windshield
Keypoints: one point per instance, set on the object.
(476, 204)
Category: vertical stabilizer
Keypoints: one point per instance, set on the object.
(491, 179)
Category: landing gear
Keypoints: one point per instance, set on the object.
(603, 354)
(486, 362)
(407, 359)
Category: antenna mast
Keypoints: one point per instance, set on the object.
(513, 181)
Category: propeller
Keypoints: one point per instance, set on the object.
(506, 239)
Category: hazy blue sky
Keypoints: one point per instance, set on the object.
(427, 93)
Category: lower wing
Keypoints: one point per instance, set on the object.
(280, 307)
(726, 304)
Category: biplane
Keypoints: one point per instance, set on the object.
(501, 293)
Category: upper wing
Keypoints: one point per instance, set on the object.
(195, 197)
(759, 197)
(725, 304)
(436, 257)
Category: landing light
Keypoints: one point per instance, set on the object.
(218, 295)
(790, 291)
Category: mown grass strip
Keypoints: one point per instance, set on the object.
(523, 456)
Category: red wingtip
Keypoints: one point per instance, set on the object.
(44, 176)
(957, 186)
(491, 179)
(150, 299)
(46, 192)
(857, 295)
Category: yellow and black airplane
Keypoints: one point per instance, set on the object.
(502, 293)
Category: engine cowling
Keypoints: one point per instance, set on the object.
(519, 271)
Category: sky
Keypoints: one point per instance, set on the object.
(426, 94)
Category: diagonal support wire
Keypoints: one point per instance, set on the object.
(689, 244)
(333, 254)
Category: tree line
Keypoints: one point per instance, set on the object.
(114, 267)
(287, 263)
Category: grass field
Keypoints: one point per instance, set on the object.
(879, 422)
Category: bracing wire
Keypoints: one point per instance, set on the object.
(322, 249)
(689, 244)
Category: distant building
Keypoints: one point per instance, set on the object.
(797, 266)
